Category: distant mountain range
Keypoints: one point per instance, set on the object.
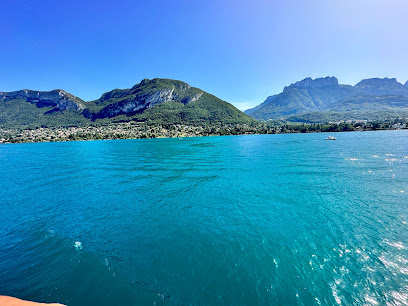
(157, 101)
(324, 99)
(169, 102)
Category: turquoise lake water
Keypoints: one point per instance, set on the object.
(260, 219)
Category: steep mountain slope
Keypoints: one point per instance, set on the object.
(265, 103)
(325, 95)
(29, 108)
(304, 96)
(157, 101)
(370, 103)
(164, 101)
(358, 108)
(58, 99)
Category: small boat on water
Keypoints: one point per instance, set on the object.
(331, 138)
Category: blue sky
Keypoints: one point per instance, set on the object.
(240, 51)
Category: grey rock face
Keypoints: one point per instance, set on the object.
(145, 95)
(57, 98)
(192, 98)
(308, 96)
(319, 82)
(377, 86)
(377, 82)
(159, 97)
(140, 102)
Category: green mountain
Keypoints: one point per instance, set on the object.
(164, 101)
(157, 101)
(324, 99)
(29, 108)
(371, 108)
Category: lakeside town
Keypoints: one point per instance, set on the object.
(137, 130)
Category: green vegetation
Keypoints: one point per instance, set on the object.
(324, 100)
(154, 102)
(131, 130)
(292, 127)
(170, 108)
(22, 114)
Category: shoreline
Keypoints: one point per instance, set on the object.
(47, 135)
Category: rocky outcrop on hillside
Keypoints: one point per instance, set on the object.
(145, 95)
(319, 82)
(376, 86)
(138, 102)
(56, 98)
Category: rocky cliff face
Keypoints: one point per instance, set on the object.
(322, 94)
(145, 95)
(376, 86)
(378, 82)
(57, 98)
(137, 103)
(187, 100)
(304, 96)
(316, 83)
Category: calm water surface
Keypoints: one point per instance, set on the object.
(269, 219)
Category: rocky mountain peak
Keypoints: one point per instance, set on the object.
(147, 94)
(58, 98)
(378, 82)
(158, 82)
(377, 86)
(315, 83)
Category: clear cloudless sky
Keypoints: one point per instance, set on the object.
(240, 51)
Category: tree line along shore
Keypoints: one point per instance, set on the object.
(135, 130)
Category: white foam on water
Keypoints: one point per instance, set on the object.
(402, 298)
(397, 244)
(161, 296)
(78, 245)
(402, 259)
(370, 300)
(335, 294)
(389, 263)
